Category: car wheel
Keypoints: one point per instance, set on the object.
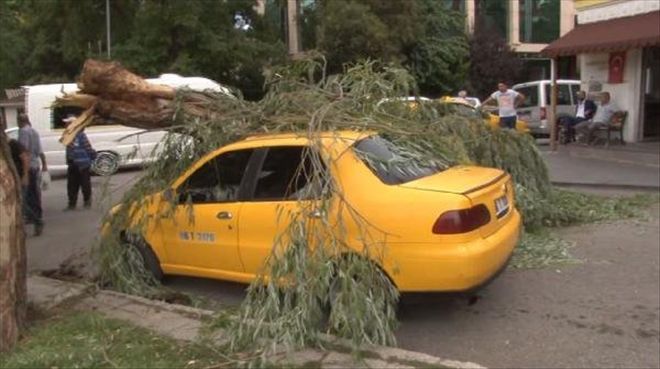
(333, 295)
(149, 258)
(106, 163)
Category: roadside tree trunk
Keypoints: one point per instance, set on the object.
(13, 283)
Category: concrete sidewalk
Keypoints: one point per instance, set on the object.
(187, 324)
(633, 166)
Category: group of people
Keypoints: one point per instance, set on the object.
(588, 118)
(32, 168)
(581, 127)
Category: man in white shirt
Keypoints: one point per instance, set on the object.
(507, 100)
(602, 118)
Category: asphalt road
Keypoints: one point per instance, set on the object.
(601, 313)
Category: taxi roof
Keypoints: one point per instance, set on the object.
(329, 138)
(343, 134)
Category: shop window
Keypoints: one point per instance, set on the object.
(539, 21)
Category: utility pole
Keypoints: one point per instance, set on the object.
(553, 104)
(292, 28)
(107, 26)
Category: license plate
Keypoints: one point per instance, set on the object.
(501, 206)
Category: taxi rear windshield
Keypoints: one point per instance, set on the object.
(393, 164)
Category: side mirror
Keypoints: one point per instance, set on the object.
(168, 195)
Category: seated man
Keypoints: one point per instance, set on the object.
(584, 110)
(602, 118)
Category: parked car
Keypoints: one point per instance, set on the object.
(448, 229)
(534, 110)
(465, 108)
(116, 145)
(474, 101)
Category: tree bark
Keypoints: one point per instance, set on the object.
(13, 267)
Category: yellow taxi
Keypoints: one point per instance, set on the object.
(462, 107)
(436, 228)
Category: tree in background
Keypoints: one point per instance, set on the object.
(47, 41)
(439, 58)
(421, 35)
(199, 38)
(491, 60)
(13, 45)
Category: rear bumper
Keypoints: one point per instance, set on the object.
(454, 268)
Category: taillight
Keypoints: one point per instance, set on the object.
(462, 221)
(543, 113)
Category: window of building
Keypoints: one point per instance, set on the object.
(539, 21)
(494, 15)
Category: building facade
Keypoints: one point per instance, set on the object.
(11, 106)
(528, 26)
(617, 45)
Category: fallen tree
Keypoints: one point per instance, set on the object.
(303, 100)
(110, 94)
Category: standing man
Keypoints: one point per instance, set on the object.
(79, 157)
(507, 100)
(29, 138)
(603, 116)
(584, 110)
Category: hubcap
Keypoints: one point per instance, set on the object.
(105, 164)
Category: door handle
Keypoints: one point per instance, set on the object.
(316, 213)
(224, 215)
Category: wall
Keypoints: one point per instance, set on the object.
(11, 116)
(616, 9)
(581, 4)
(626, 95)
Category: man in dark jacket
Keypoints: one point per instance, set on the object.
(79, 157)
(584, 110)
(21, 158)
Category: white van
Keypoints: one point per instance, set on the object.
(116, 145)
(534, 109)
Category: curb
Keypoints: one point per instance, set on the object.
(608, 186)
(48, 293)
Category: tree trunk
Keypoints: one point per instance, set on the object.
(13, 283)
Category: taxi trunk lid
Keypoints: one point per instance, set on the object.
(488, 186)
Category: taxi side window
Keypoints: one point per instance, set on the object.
(219, 180)
(287, 175)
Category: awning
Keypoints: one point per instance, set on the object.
(606, 36)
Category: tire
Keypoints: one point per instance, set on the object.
(106, 163)
(333, 292)
(149, 258)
